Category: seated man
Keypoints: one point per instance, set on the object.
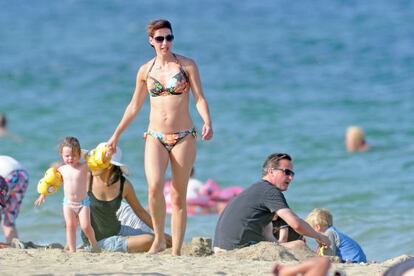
(245, 218)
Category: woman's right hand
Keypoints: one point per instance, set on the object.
(111, 144)
(207, 132)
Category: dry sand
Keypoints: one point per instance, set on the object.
(253, 260)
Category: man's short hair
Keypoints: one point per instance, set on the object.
(321, 217)
(272, 161)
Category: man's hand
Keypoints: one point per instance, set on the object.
(323, 240)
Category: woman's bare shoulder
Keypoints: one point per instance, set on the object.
(185, 61)
(188, 63)
(144, 68)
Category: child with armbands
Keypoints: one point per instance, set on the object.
(342, 246)
(76, 201)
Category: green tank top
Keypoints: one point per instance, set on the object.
(104, 221)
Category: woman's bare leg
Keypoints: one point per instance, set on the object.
(156, 162)
(140, 243)
(182, 160)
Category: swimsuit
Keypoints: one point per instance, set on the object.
(177, 85)
(77, 206)
(103, 214)
(169, 140)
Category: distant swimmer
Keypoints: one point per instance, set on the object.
(355, 139)
(3, 125)
(4, 132)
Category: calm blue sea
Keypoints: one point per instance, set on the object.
(280, 76)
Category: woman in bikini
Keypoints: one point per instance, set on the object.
(171, 135)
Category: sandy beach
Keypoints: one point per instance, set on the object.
(254, 260)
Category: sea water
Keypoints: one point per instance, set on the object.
(279, 76)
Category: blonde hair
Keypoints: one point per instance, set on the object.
(355, 138)
(321, 217)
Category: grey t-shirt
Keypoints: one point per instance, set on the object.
(244, 218)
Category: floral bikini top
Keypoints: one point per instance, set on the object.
(177, 85)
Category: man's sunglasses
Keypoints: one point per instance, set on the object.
(287, 172)
(160, 39)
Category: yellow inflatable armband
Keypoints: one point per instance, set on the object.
(45, 188)
(90, 160)
(53, 177)
(96, 158)
(100, 156)
(50, 183)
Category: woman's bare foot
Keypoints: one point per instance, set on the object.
(176, 252)
(96, 249)
(68, 250)
(157, 247)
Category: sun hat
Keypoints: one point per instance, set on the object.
(116, 158)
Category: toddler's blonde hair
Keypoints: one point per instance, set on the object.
(321, 217)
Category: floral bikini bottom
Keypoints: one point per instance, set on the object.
(169, 140)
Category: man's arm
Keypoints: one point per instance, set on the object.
(268, 233)
(283, 234)
(301, 226)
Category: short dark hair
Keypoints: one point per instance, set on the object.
(156, 25)
(3, 120)
(272, 161)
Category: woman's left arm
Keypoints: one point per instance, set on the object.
(200, 101)
(131, 198)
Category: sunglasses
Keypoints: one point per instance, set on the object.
(160, 39)
(287, 172)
